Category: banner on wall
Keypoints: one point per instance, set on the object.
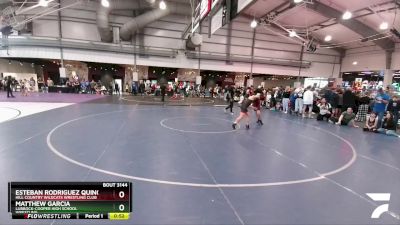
(135, 76)
(250, 82)
(297, 84)
(198, 80)
(63, 72)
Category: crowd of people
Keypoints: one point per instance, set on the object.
(183, 89)
(377, 109)
(10, 85)
(374, 110)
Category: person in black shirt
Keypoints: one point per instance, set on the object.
(116, 88)
(394, 108)
(9, 88)
(372, 123)
(229, 99)
(285, 100)
(163, 87)
(349, 99)
(244, 113)
(388, 126)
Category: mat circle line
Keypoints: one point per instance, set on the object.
(162, 123)
(189, 103)
(189, 184)
(16, 116)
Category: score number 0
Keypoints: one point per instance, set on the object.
(121, 194)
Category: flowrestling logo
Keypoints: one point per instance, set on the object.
(379, 197)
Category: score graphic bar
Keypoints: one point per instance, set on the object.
(70, 200)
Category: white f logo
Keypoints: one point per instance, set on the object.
(379, 197)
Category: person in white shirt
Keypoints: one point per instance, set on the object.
(324, 110)
(298, 106)
(308, 99)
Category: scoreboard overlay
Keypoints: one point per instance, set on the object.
(70, 200)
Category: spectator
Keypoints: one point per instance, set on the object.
(334, 101)
(347, 118)
(324, 110)
(92, 87)
(285, 100)
(388, 126)
(380, 102)
(116, 88)
(308, 99)
(340, 102)
(9, 87)
(299, 101)
(50, 82)
(371, 124)
(362, 108)
(292, 101)
(394, 108)
(163, 88)
(349, 99)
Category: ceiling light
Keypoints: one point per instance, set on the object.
(105, 3)
(292, 33)
(163, 5)
(384, 26)
(347, 15)
(328, 38)
(355, 63)
(297, 1)
(43, 3)
(253, 24)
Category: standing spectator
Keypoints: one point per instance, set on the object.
(362, 108)
(380, 102)
(324, 110)
(163, 87)
(278, 98)
(116, 87)
(32, 84)
(142, 87)
(334, 101)
(50, 82)
(285, 100)
(349, 99)
(76, 86)
(299, 101)
(328, 95)
(87, 86)
(40, 83)
(308, 100)
(93, 87)
(229, 99)
(24, 90)
(394, 108)
(9, 87)
(292, 101)
(126, 87)
(340, 102)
